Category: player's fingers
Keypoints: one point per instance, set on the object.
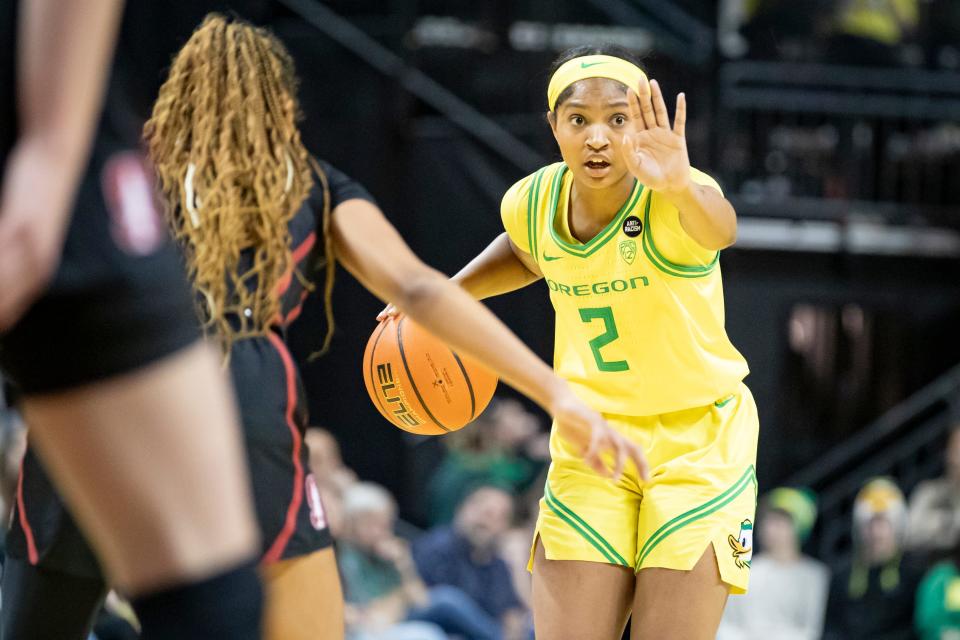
(621, 448)
(593, 448)
(390, 311)
(646, 105)
(640, 460)
(633, 107)
(629, 151)
(592, 457)
(659, 106)
(600, 467)
(680, 119)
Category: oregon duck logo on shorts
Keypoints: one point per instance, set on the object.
(628, 251)
(742, 545)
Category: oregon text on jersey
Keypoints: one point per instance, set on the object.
(598, 288)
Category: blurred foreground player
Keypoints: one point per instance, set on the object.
(96, 330)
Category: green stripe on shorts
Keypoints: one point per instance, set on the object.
(749, 476)
(579, 525)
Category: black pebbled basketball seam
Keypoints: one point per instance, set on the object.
(373, 352)
(413, 383)
(463, 370)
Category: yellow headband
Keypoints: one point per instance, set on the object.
(593, 67)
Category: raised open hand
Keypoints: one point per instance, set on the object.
(655, 153)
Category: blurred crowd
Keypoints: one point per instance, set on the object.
(856, 32)
(465, 575)
(842, 145)
(902, 581)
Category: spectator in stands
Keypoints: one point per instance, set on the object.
(788, 590)
(770, 29)
(873, 599)
(380, 581)
(386, 599)
(332, 477)
(465, 556)
(326, 463)
(505, 447)
(934, 517)
(938, 601)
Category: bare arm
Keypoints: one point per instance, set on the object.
(500, 268)
(372, 250)
(64, 51)
(705, 215)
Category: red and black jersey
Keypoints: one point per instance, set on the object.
(273, 415)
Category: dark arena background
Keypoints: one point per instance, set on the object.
(838, 144)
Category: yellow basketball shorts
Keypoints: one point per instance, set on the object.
(702, 490)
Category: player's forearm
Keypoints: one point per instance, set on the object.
(705, 215)
(495, 271)
(372, 250)
(448, 312)
(65, 50)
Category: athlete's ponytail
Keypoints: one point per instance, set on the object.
(233, 172)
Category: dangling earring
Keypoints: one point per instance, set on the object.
(191, 200)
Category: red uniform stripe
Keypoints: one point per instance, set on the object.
(295, 312)
(32, 553)
(280, 543)
(299, 254)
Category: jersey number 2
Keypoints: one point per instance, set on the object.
(609, 335)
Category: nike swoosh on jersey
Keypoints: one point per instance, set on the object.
(551, 258)
(587, 65)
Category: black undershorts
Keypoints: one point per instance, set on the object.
(119, 299)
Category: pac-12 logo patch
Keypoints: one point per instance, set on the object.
(743, 545)
(628, 251)
(127, 184)
(318, 517)
(632, 226)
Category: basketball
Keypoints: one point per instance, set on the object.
(421, 385)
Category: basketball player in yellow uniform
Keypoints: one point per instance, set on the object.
(626, 235)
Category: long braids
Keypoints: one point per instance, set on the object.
(233, 172)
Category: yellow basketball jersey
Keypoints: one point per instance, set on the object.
(639, 308)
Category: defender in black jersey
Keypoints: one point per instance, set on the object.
(97, 328)
(43, 539)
